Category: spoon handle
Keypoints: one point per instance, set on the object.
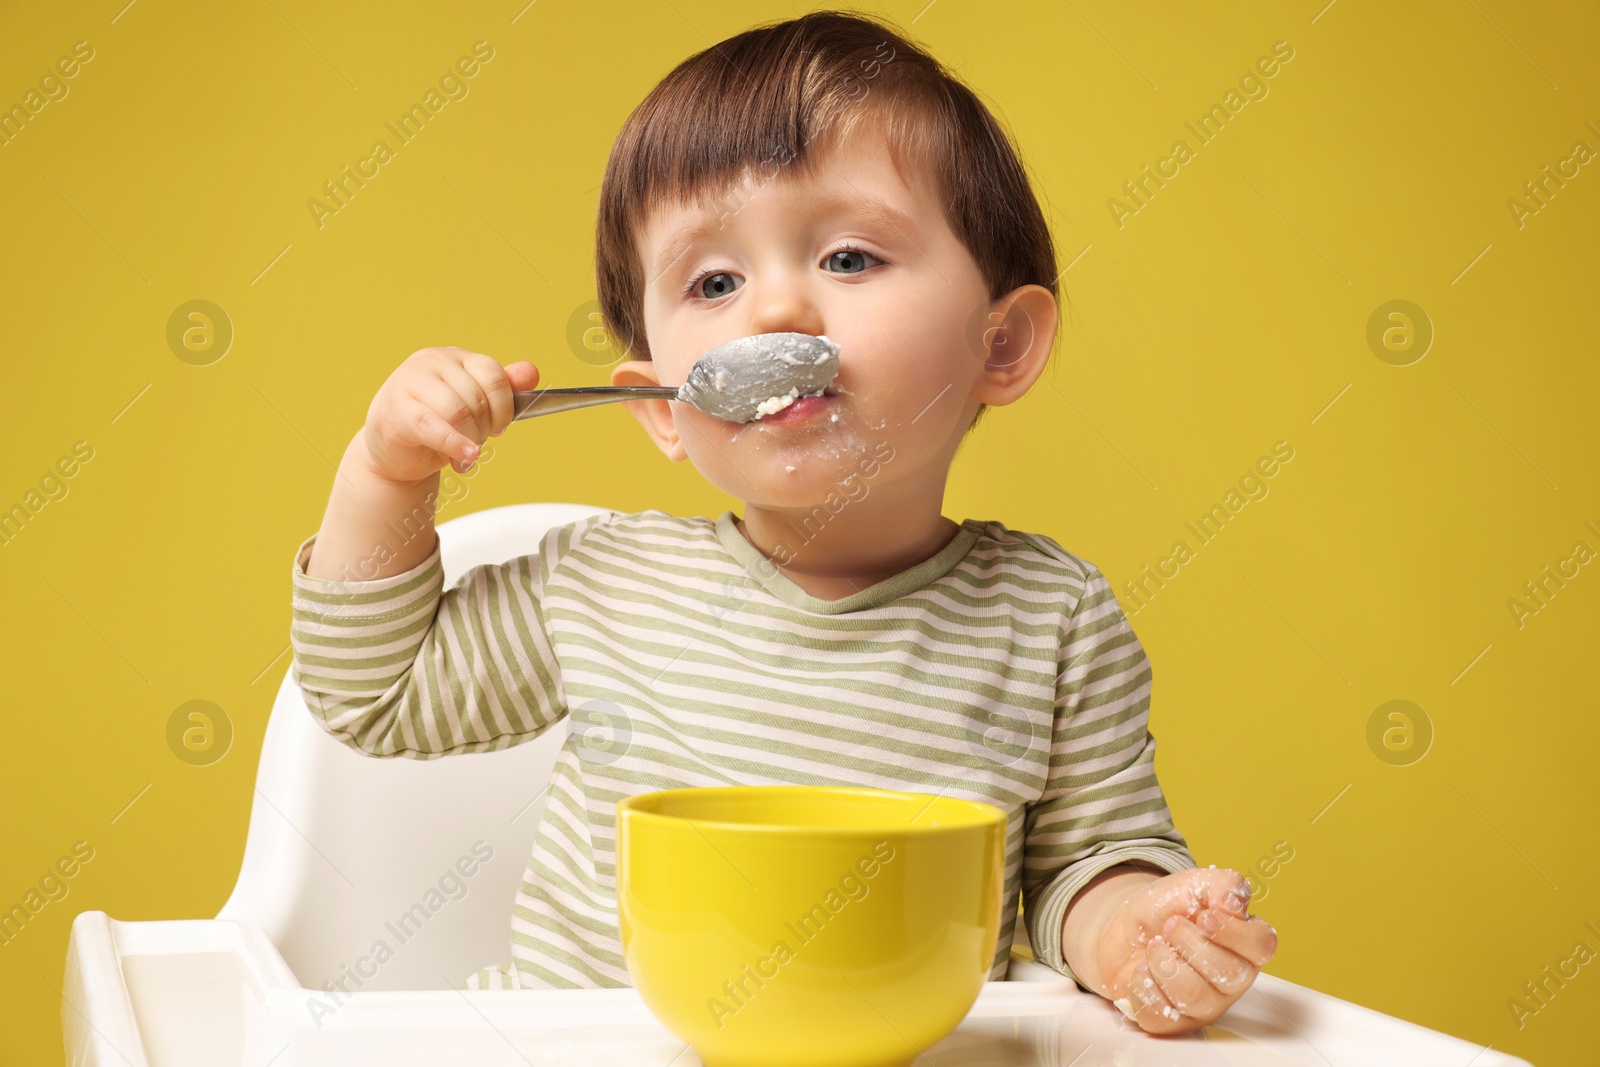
(530, 405)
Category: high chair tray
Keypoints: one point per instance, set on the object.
(193, 992)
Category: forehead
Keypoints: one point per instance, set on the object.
(858, 176)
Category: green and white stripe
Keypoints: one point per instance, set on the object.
(1001, 669)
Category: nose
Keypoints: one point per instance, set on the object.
(781, 304)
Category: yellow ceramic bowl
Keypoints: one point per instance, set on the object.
(792, 926)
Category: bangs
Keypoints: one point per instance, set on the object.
(766, 130)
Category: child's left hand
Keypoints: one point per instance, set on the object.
(1181, 949)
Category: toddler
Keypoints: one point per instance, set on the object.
(822, 176)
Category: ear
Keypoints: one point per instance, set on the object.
(654, 415)
(1017, 345)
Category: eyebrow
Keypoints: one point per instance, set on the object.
(880, 211)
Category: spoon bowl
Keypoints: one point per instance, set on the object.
(740, 381)
(759, 375)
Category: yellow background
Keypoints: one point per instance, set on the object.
(1228, 314)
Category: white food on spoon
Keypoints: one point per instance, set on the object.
(773, 405)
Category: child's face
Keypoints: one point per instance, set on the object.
(904, 303)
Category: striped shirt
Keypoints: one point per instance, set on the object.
(1001, 669)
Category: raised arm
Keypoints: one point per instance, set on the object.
(390, 662)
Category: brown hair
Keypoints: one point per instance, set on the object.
(757, 102)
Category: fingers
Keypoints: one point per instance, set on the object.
(495, 386)
(444, 402)
(1225, 971)
(1196, 950)
(437, 408)
(1253, 939)
(1187, 892)
(487, 387)
(523, 375)
(1184, 987)
(473, 397)
(1146, 1004)
(436, 432)
(472, 393)
(1228, 890)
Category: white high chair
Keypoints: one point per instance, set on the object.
(342, 848)
(341, 843)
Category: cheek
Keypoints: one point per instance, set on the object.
(708, 442)
(940, 342)
(926, 366)
(695, 425)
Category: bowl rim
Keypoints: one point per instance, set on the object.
(987, 814)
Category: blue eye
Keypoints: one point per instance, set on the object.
(846, 254)
(722, 288)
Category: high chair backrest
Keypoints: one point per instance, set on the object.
(396, 873)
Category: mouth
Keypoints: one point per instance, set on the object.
(803, 409)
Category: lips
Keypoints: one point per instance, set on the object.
(805, 407)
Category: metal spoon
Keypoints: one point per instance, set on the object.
(739, 381)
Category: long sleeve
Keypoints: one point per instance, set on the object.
(399, 666)
(1101, 805)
